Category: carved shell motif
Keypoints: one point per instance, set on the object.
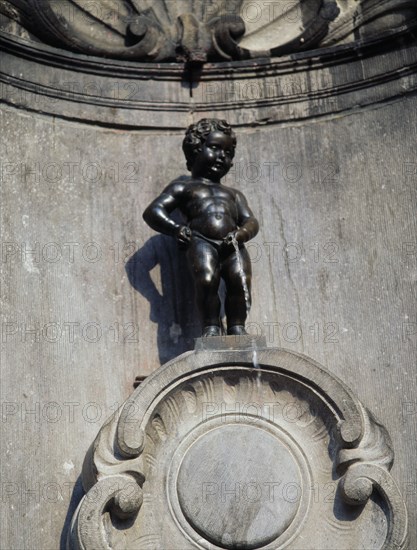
(200, 31)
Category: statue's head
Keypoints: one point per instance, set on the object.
(197, 135)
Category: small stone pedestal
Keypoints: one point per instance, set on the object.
(235, 445)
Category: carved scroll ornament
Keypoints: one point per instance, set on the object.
(200, 31)
(213, 453)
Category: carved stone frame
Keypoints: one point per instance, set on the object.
(131, 472)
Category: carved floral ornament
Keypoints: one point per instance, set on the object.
(200, 31)
(212, 453)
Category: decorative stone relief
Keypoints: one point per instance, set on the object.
(203, 31)
(240, 449)
(121, 94)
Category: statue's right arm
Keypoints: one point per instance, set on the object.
(157, 214)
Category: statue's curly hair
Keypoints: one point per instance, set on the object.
(197, 134)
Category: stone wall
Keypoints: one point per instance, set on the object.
(92, 297)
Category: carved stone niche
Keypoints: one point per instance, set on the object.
(240, 449)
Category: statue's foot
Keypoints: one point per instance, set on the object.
(237, 330)
(212, 330)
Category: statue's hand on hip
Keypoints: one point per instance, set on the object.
(184, 236)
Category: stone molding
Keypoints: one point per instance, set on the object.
(201, 31)
(129, 95)
(153, 477)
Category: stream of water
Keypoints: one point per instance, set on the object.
(242, 275)
(248, 304)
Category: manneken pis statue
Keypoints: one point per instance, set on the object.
(218, 221)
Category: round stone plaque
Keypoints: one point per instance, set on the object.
(239, 486)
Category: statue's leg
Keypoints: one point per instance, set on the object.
(205, 267)
(237, 305)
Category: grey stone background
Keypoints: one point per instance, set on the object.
(334, 278)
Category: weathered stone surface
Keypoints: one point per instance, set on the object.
(142, 96)
(235, 456)
(223, 483)
(334, 269)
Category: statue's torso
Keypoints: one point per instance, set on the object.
(210, 209)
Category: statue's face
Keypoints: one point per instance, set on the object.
(215, 158)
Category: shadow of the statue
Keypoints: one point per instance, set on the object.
(76, 496)
(172, 304)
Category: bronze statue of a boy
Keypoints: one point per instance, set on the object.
(218, 223)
